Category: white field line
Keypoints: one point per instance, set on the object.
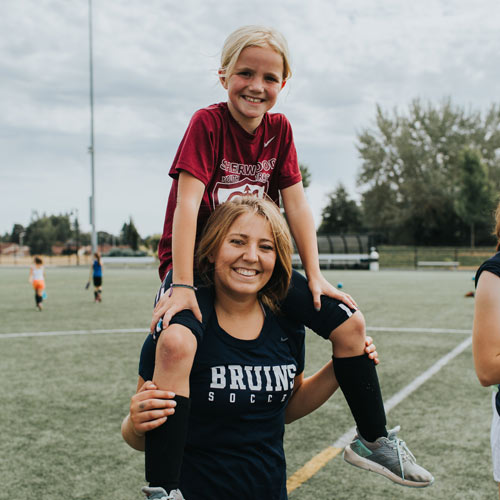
(144, 330)
(414, 330)
(70, 332)
(347, 437)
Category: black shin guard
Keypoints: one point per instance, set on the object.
(358, 380)
(165, 447)
(38, 299)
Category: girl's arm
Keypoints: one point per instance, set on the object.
(311, 392)
(301, 223)
(31, 275)
(486, 329)
(149, 408)
(189, 195)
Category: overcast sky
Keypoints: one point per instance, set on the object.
(156, 61)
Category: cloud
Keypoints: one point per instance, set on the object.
(156, 62)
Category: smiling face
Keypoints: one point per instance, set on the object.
(254, 85)
(245, 260)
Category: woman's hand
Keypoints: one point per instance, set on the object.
(371, 350)
(150, 408)
(172, 303)
(319, 286)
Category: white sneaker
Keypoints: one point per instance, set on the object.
(160, 494)
(390, 457)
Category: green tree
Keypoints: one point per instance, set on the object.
(15, 237)
(341, 215)
(306, 175)
(474, 200)
(129, 235)
(410, 168)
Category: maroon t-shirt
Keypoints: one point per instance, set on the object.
(230, 162)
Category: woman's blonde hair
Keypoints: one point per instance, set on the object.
(253, 36)
(217, 228)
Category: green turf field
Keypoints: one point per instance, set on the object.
(64, 396)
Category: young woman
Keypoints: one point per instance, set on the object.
(37, 280)
(235, 148)
(486, 338)
(247, 380)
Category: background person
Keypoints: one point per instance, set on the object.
(486, 338)
(96, 273)
(247, 378)
(37, 280)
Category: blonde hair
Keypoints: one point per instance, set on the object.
(253, 36)
(217, 228)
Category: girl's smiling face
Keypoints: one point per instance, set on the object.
(254, 85)
(245, 261)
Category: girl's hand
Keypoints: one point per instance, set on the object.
(371, 350)
(169, 305)
(319, 286)
(150, 407)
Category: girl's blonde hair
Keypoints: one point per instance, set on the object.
(217, 228)
(253, 36)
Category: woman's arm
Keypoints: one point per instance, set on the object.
(301, 223)
(189, 195)
(486, 329)
(149, 408)
(310, 393)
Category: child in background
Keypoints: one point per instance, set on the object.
(37, 280)
(238, 148)
(96, 272)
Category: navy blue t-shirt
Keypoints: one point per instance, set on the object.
(493, 266)
(239, 392)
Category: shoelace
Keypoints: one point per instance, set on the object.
(403, 452)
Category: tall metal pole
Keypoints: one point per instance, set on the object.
(91, 148)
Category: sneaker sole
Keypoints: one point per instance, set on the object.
(354, 459)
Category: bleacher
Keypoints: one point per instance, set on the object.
(341, 251)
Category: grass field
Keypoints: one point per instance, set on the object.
(64, 396)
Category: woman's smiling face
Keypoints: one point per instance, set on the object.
(245, 261)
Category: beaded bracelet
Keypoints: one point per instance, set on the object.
(180, 285)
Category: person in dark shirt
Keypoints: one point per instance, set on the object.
(486, 338)
(247, 378)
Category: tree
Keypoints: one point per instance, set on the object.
(15, 235)
(410, 169)
(474, 194)
(129, 235)
(341, 215)
(45, 231)
(306, 175)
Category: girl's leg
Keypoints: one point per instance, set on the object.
(354, 370)
(175, 351)
(373, 448)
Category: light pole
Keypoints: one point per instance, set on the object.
(91, 147)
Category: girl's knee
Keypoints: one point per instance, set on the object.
(175, 344)
(353, 330)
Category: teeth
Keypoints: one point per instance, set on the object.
(246, 272)
(252, 99)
